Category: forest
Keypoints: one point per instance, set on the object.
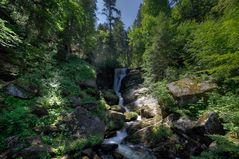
(167, 87)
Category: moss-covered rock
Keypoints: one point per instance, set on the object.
(116, 120)
(130, 116)
(110, 97)
(189, 90)
(117, 108)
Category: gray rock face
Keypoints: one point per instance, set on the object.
(143, 103)
(16, 91)
(133, 78)
(189, 90)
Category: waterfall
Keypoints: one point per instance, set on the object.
(120, 73)
(128, 151)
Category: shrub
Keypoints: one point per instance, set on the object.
(163, 96)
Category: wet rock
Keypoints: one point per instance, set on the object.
(117, 155)
(116, 120)
(109, 134)
(108, 147)
(189, 90)
(110, 97)
(117, 108)
(82, 123)
(87, 84)
(39, 111)
(130, 116)
(17, 91)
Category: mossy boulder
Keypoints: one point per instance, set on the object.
(82, 123)
(116, 120)
(151, 135)
(130, 116)
(189, 90)
(110, 97)
(117, 108)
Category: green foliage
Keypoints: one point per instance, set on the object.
(160, 132)
(227, 107)
(78, 70)
(163, 96)
(223, 149)
(16, 119)
(8, 38)
(78, 145)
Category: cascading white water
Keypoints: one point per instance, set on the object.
(120, 73)
(126, 150)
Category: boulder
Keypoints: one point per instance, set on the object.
(189, 90)
(16, 91)
(147, 106)
(130, 95)
(132, 79)
(116, 120)
(151, 135)
(130, 116)
(209, 124)
(82, 123)
(141, 132)
(117, 108)
(36, 151)
(110, 97)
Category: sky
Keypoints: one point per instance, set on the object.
(128, 8)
